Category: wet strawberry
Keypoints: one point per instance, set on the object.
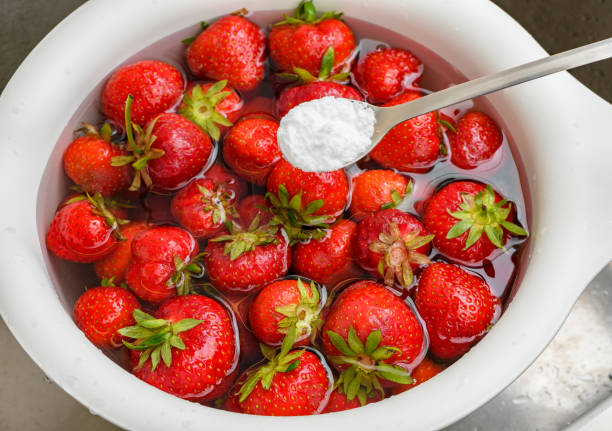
(203, 206)
(213, 106)
(187, 349)
(232, 48)
(229, 180)
(476, 140)
(458, 308)
(411, 146)
(286, 305)
(251, 149)
(251, 207)
(377, 189)
(314, 90)
(114, 265)
(87, 162)
(392, 244)
(338, 400)
(101, 311)
(373, 337)
(469, 221)
(156, 87)
(84, 230)
(246, 260)
(386, 72)
(319, 259)
(162, 263)
(423, 372)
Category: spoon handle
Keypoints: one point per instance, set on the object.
(497, 81)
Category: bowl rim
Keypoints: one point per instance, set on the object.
(35, 316)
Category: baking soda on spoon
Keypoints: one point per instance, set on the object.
(325, 134)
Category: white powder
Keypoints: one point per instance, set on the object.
(325, 134)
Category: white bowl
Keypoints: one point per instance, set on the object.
(561, 130)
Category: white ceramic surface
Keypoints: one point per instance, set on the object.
(561, 130)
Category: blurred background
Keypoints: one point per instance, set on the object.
(572, 375)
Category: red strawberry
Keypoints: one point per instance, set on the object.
(245, 261)
(476, 140)
(229, 180)
(192, 347)
(84, 230)
(411, 146)
(291, 383)
(162, 263)
(458, 308)
(460, 213)
(339, 402)
(303, 198)
(386, 72)
(283, 306)
(156, 87)
(101, 311)
(203, 207)
(377, 189)
(392, 244)
(232, 48)
(169, 153)
(213, 106)
(251, 150)
(302, 41)
(251, 207)
(249, 345)
(319, 259)
(373, 337)
(114, 265)
(87, 161)
(423, 372)
(314, 90)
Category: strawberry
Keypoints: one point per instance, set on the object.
(213, 106)
(283, 306)
(377, 189)
(203, 207)
(170, 152)
(301, 41)
(293, 96)
(101, 311)
(259, 107)
(476, 140)
(301, 199)
(251, 207)
(290, 383)
(246, 260)
(412, 145)
(162, 263)
(391, 244)
(319, 259)
(458, 308)
(251, 150)
(230, 181)
(84, 230)
(156, 87)
(386, 72)
(423, 372)
(461, 212)
(240, 304)
(373, 337)
(191, 343)
(339, 402)
(114, 265)
(87, 162)
(232, 48)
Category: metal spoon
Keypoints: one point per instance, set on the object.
(388, 117)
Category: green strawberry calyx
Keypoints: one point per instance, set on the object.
(306, 13)
(239, 241)
(200, 108)
(398, 254)
(140, 147)
(155, 338)
(101, 208)
(302, 316)
(284, 361)
(397, 197)
(480, 214)
(184, 271)
(297, 220)
(366, 364)
(218, 202)
(303, 76)
(105, 132)
(189, 40)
